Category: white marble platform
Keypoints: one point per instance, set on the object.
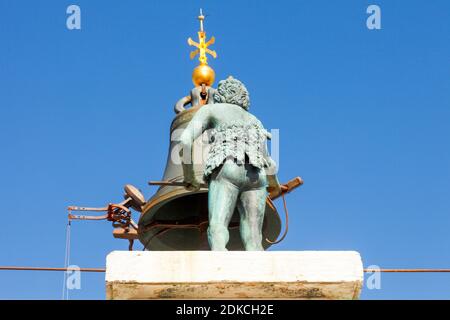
(233, 275)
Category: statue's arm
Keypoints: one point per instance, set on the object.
(180, 105)
(211, 93)
(274, 187)
(195, 128)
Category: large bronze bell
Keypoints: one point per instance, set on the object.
(177, 219)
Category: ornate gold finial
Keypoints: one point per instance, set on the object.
(203, 74)
(202, 45)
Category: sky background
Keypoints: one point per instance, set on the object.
(363, 116)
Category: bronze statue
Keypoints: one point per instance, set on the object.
(237, 165)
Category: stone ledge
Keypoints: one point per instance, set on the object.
(233, 275)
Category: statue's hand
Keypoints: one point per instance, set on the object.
(276, 189)
(192, 184)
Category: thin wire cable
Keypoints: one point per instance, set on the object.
(99, 270)
(65, 291)
(407, 270)
(69, 246)
(65, 265)
(14, 268)
(286, 228)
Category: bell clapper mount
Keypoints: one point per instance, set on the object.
(118, 213)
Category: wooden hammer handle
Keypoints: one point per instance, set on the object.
(289, 186)
(292, 184)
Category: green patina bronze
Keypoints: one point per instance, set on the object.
(238, 168)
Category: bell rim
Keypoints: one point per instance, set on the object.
(160, 198)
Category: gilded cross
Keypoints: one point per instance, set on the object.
(202, 45)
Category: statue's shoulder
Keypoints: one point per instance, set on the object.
(221, 106)
(227, 113)
(223, 111)
(252, 120)
(228, 109)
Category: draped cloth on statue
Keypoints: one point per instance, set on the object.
(237, 140)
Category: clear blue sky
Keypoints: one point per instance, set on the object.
(363, 117)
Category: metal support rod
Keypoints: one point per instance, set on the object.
(173, 184)
(286, 188)
(406, 270)
(13, 268)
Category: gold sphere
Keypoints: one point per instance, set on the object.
(203, 74)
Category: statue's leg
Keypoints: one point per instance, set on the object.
(221, 203)
(251, 206)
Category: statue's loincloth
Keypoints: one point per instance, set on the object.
(243, 142)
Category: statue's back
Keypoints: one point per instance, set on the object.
(228, 113)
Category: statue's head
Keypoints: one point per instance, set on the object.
(232, 91)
